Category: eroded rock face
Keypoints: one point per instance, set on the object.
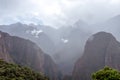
(4, 53)
(101, 49)
(27, 53)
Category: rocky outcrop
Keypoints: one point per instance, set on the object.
(27, 53)
(101, 49)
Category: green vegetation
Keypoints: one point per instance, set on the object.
(106, 74)
(15, 72)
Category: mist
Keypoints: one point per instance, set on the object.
(57, 13)
(60, 27)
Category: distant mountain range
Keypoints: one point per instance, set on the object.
(66, 44)
(31, 32)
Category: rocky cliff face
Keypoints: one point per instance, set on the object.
(101, 49)
(27, 53)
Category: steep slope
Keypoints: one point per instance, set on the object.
(34, 33)
(101, 49)
(27, 53)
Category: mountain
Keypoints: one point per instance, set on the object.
(71, 46)
(101, 49)
(114, 21)
(32, 32)
(52, 33)
(24, 52)
(78, 35)
(111, 25)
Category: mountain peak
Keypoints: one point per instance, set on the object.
(116, 17)
(114, 20)
(17, 23)
(101, 35)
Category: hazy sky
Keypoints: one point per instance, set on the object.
(57, 12)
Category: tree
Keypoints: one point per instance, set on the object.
(10, 71)
(106, 74)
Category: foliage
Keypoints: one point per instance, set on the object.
(106, 74)
(16, 72)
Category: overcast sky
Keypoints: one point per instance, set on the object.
(57, 12)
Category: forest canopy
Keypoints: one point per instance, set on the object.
(106, 74)
(9, 71)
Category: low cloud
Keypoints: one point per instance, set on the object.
(57, 12)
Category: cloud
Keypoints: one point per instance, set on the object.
(35, 32)
(57, 12)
